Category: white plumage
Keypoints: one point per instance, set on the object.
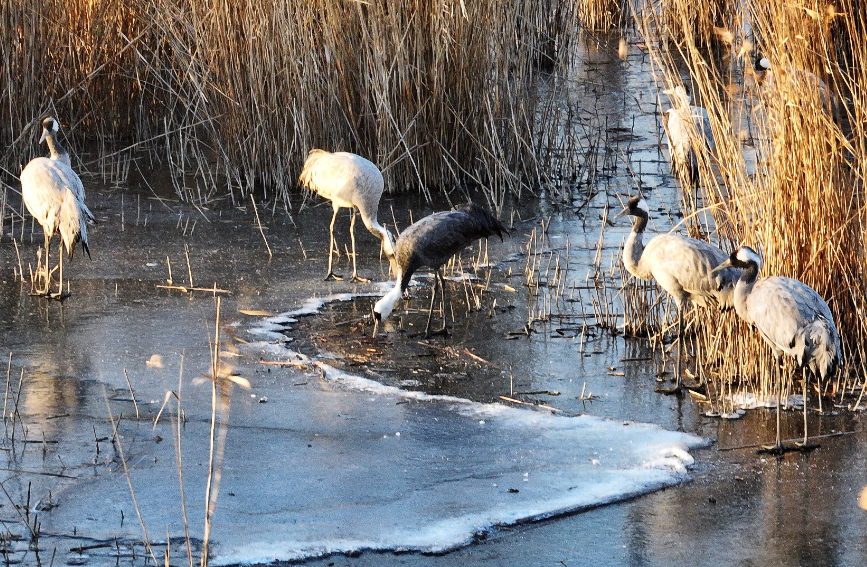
(431, 242)
(790, 316)
(54, 195)
(682, 266)
(687, 131)
(348, 181)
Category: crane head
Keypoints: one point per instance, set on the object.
(635, 207)
(49, 128)
(742, 258)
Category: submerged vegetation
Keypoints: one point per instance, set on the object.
(447, 96)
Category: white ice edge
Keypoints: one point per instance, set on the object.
(662, 459)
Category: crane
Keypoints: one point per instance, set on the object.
(687, 128)
(791, 317)
(682, 266)
(54, 195)
(789, 78)
(348, 181)
(431, 242)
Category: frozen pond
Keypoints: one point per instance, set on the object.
(406, 445)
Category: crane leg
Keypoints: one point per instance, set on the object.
(332, 246)
(438, 280)
(45, 276)
(805, 445)
(430, 310)
(777, 448)
(60, 295)
(443, 330)
(779, 443)
(354, 277)
(678, 387)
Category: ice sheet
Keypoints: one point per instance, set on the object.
(340, 463)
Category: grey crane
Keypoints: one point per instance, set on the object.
(54, 195)
(791, 317)
(431, 242)
(682, 266)
(687, 128)
(789, 77)
(348, 181)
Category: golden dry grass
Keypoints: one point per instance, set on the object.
(787, 177)
(230, 95)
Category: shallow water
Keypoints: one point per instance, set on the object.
(74, 364)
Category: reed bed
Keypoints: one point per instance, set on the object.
(787, 175)
(230, 95)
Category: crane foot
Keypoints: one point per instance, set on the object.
(333, 277)
(358, 279)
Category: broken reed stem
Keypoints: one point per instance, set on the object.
(131, 393)
(189, 268)
(179, 462)
(6, 396)
(119, 445)
(210, 498)
(261, 230)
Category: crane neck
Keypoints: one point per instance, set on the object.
(634, 247)
(744, 288)
(56, 151)
(385, 305)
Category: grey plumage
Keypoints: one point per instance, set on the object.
(790, 316)
(687, 131)
(682, 266)
(431, 242)
(348, 181)
(791, 79)
(54, 195)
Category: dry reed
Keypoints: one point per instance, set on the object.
(230, 96)
(787, 175)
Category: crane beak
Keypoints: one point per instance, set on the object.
(624, 212)
(721, 267)
(44, 135)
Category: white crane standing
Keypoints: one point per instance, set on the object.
(54, 195)
(687, 131)
(791, 317)
(431, 242)
(682, 266)
(348, 181)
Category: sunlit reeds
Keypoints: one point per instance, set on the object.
(787, 175)
(230, 96)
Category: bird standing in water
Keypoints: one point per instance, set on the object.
(687, 131)
(682, 266)
(431, 242)
(348, 181)
(791, 317)
(54, 195)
